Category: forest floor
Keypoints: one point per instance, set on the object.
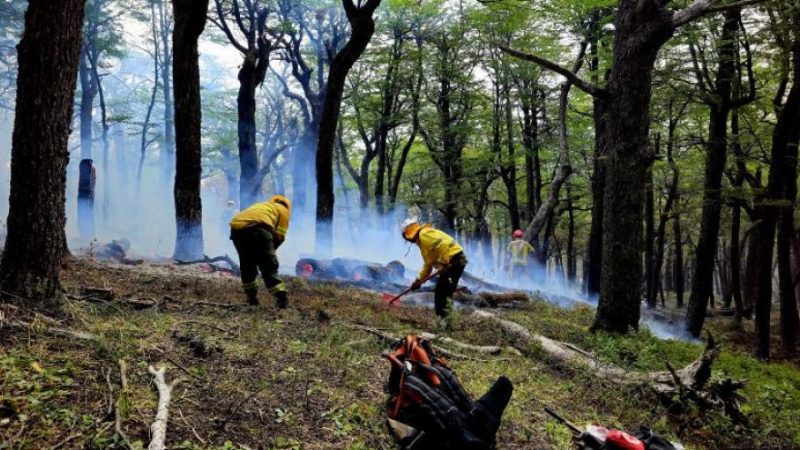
(259, 378)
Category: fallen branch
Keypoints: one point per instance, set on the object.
(158, 430)
(692, 379)
(123, 397)
(202, 303)
(96, 293)
(206, 260)
(176, 364)
(59, 332)
(485, 350)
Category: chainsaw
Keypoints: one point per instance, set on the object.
(597, 437)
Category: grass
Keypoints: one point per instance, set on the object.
(299, 379)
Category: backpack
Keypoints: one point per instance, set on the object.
(429, 409)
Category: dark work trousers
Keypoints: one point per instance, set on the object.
(257, 253)
(447, 284)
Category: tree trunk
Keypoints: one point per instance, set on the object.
(190, 20)
(362, 27)
(88, 93)
(716, 155)
(776, 203)
(665, 214)
(572, 266)
(165, 22)
(736, 220)
(786, 232)
(595, 250)
(639, 33)
(31, 260)
(530, 141)
(544, 215)
(649, 241)
(677, 270)
(86, 183)
(510, 169)
(248, 153)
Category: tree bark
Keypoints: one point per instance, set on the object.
(776, 203)
(716, 155)
(190, 20)
(595, 247)
(86, 184)
(31, 260)
(362, 27)
(665, 215)
(640, 31)
(649, 241)
(786, 287)
(164, 25)
(678, 268)
(736, 220)
(88, 94)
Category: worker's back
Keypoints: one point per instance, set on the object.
(520, 250)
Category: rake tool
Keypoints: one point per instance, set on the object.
(391, 299)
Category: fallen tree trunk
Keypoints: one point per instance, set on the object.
(688, 383)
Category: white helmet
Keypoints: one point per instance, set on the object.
(407, 222)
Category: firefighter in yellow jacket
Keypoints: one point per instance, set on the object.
(256, 233)
(519, 251)
(439, 251)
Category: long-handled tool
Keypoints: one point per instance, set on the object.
(391, 299)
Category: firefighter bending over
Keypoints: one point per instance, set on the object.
(441, 252)
(256, 233)
(519, 254)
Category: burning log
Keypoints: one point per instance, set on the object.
(491, 299)
(311, 268)
(117, 250)
(351, 270)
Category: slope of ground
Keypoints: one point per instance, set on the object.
(302, 379)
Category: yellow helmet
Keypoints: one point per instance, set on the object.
(410, 229)
(281, 200)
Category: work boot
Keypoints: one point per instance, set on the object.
(252, 297)
(281, 300)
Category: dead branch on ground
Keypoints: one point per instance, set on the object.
(158, 430)
(690, 382)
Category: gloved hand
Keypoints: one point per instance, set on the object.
(461, 422)
(416, 284)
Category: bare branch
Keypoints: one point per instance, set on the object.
(578, 82)
(702, 8)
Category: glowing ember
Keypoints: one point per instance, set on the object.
(306, 270)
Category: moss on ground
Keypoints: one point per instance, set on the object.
(301, 379)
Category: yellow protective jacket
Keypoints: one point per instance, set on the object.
(519, 249)
(272, 215)
(437, 249)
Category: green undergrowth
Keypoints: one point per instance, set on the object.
(258, 378)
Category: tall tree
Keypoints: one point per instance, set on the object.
(362, 27)
(325, 32)
(190, 20)
(31, 260)
(718, 96)
(776, 209)
(249, 17)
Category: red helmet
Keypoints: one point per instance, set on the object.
(517, 234)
